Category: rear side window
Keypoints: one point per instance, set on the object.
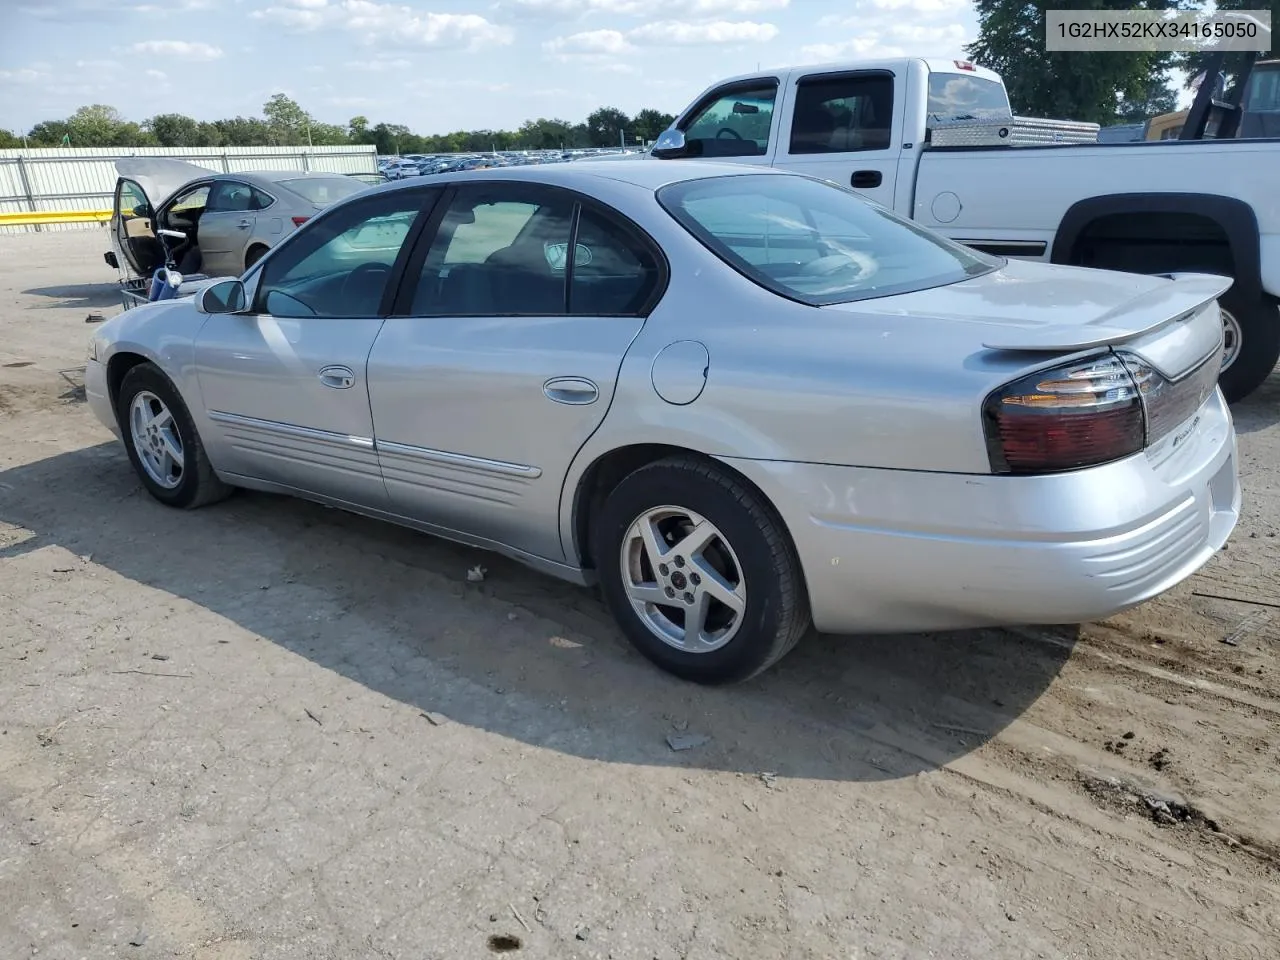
(843, 114)
(615, 272)
(958, 96)
(813, 241)
(323, 191)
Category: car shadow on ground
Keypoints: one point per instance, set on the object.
(87, 295)
(523, 655)
(1261, 409)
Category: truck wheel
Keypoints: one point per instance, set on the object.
(1252, 333)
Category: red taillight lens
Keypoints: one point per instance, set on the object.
(299, 221)
(1077, 415)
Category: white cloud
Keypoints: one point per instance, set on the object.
(386, 23)
(157, 75)
(376, 65)
(602, 46)
(680, 33)
(573, 9)
(22, 75)
(186, 49)
(893, 28)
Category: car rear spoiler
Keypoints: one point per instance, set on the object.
(1151, 310)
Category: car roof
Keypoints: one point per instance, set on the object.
(645, 172)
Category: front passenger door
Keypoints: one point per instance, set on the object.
(284, 383)
(498, 365)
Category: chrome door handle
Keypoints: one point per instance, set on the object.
(572, 390)
(337, 376)
(244, 224)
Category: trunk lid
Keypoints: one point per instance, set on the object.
(160, 177)
(1172, 323)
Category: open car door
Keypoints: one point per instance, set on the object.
(143, 185)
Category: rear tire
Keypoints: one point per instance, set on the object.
(161, 440)
(723, 607)
(1255, 325)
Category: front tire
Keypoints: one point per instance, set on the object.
(699, 572)
(161, 440)
(1252, 333)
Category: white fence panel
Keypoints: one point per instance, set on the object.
(66, 179)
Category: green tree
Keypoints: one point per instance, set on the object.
(358, 129)
(8, 141)
(606, 125)
(208, 135)
(287, 122)
(649, 123)
(1067, 85)
(244, 132)
(96, 125)
(1158, 98)
(48, 133)
(175, 130)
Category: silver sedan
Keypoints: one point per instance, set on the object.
(742, 401)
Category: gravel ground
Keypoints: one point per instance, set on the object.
(270, 730)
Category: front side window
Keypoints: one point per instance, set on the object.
(499, 251)
(339, 265)
(185, 211)
(734, 123)
(843, 114)
(813, 241)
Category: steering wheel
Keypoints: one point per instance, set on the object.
(829, 266)
(358, 276)
(730, 131)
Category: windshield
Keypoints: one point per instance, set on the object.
(323, 191)
(814, 241)
(957, 96)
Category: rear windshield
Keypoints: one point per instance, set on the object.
(323, 191)
(814, 241)
(958, 96)
(1264, 90)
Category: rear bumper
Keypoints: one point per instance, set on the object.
(895, 551)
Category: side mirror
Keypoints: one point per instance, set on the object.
(670, 144)
(225, 296)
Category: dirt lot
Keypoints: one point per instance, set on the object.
(269, 730)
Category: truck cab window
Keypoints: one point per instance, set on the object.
(733, 123)
(843, 114)
(954, 96)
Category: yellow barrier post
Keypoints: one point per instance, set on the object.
(31, 218)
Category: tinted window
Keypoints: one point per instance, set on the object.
(338, 266)
(813, 241)
(615, 272)
(1263, 90)
(957, 96)
(499, 251)
(733, 124)
(323, 191)
(843, 114)
(230, 196)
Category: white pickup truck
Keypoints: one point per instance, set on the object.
(1147, 207)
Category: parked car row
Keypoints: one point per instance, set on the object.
(419, 164)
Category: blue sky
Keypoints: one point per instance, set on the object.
(431, 64)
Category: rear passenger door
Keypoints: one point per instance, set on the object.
(225, 226)
(843, 128)
(501, 357)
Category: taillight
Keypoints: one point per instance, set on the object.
(299, 221)
(1079, 414)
